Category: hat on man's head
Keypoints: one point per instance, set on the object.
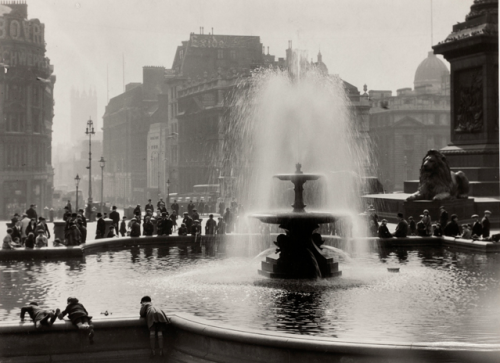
(426, 211)
(194, 209)
(487, 212)
(474, 216)
(384, 220)
(33, 303)
(410, 217)
(442, 207)
(400, 215)
(99, 215)
(185, 212)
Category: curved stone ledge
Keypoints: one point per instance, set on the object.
(184, 241)
(191, 338)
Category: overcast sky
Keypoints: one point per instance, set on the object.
(377, 42)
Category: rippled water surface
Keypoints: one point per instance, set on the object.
(438, 295)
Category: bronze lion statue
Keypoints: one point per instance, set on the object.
(437, 181)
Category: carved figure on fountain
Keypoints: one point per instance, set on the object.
(438, 182)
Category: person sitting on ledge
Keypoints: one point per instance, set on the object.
(157, 322)
(38, 315)
(148, 227)
(452, 229)
(402, 227)
(57, 243)
(436, 230)
(79, 317)
(412, 226)
(466, 231)
(111, 232)
(477, 228)
(8, 243)
(183, 231)
(135, 228)
(30, 241)
(383, 231)
(421, 227)
(41, 240)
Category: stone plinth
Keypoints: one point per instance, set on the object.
(472, 50)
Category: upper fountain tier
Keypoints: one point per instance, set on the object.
(298, 215)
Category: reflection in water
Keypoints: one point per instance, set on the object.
(439, 295)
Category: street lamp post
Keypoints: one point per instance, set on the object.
(90, 131)
(101, 163)
(168, 192)
(77, 181)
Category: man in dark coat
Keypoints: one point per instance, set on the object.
(443, 218)
(149, 206)
(32, 212)
(383, 231)
(421, 227)
(165, 225)
(188, 221)
(115, 217)
(485, 222)
(452, 229)
(70, 208)
(477, 228)
(195, 215)
(175, 206)
(135, 228)
(228, 220)
(211, 225)
(413, 226)
(100, 231)
(137, 210)
(190, 208)
(402, 227)
(222, 207)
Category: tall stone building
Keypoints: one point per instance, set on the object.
(403, 127)
(126, 124)
(26, 113)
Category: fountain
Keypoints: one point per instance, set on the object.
(300, 249)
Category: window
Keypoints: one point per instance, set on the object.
(232, 54)
(181, 53)
(220, 53)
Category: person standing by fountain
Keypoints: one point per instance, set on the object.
(485, 223)
(123, 227)
(188, 221)
(135, 228)
(190, 208)
(427, 222)
(402, 227)
(443, 217)
(100, 231)
(157, 322)
(228, 220)
(115, 216)
(413, 226)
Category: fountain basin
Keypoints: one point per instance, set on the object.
(299, 217)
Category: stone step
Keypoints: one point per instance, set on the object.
(479, 173)
(476, 188)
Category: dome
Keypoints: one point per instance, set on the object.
(430, 71)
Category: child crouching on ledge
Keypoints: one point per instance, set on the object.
(157, 321)
(38, 315)
(79, 317)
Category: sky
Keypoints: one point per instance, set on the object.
(93, 43)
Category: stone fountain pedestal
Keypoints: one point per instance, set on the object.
(300, 249)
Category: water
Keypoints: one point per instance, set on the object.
(439, 295)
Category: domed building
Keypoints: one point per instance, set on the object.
(405, 126)
(431, 75)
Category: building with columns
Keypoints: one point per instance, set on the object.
(404, 126)
(26, 113)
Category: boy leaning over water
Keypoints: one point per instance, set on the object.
(79, 317)
(156, 320)
(38, 315)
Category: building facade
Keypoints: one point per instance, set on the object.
(126, 124)
(404, 127)
(26, 113)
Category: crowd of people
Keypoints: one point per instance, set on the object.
(26, 230)
(445, 225)
(156, 320)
